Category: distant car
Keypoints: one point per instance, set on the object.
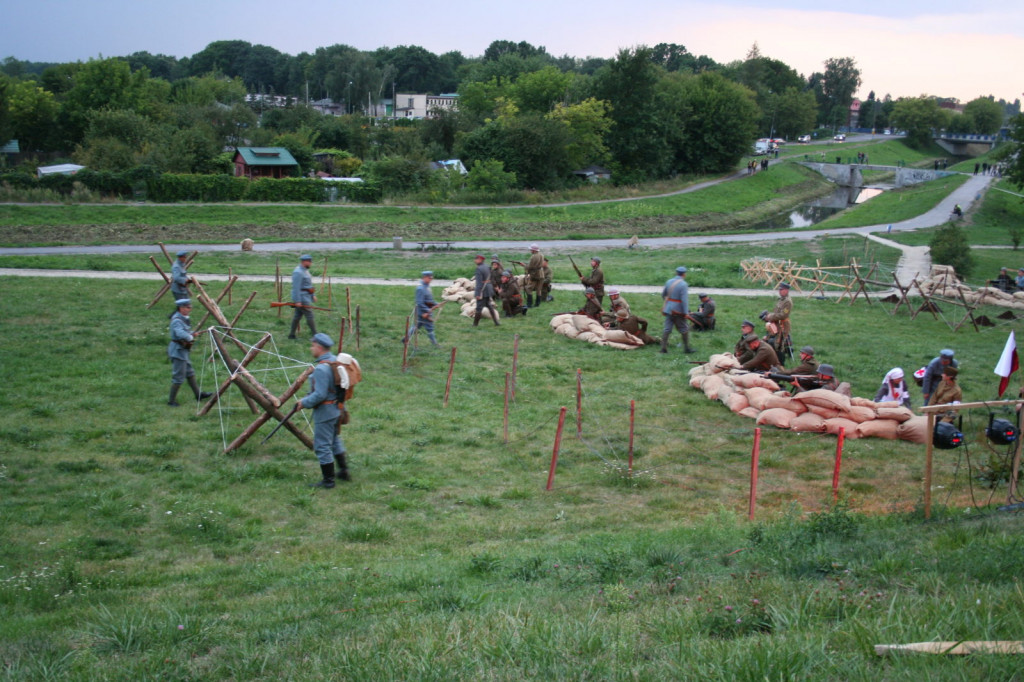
(840, 138)
(777, 141)
(804, 138)
(887, 132)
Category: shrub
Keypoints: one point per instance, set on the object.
(490, 176)
(949, 246)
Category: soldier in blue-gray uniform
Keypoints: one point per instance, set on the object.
(483, 291)
(303, 295)
(675, 309)
(178, 352)
(179, 277)
(425, 304)
(933, 372)
(326, 404)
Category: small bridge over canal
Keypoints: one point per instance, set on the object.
(852, 174)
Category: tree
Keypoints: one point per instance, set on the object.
(1015, 154)
(794, 112)
(490, 176)
(531, 146)
(949, 246)
(33, 113)
(839, 83)
(986, 115)
(918, 116)
(539, 91)
(588, 123)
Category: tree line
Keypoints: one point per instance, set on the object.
(526, 119)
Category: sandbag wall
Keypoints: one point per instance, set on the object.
(817, 411)
(943, 281)
(461, 292)
(585, 329)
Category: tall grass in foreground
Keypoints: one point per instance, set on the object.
(131, 548)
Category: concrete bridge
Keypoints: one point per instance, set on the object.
(963, 144)
(851, 174)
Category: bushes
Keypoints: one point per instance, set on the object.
(949, 246)
(169, 188)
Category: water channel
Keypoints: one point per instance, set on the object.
(813, 212)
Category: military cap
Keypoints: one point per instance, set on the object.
(783, 285)
(612, 291)
(427, 273)
(621, 312)
(495, 259)
(826, 370)
(681, 270)
(950, 371)
(323, 340)
(807, 349)
(589, 291)
(946, 353)
(480, 256)
(702, 296)
(181, 253)
(183, 301)
(595, 259)
(747, 323)
(534, 247)
(506, 273)
(305, 256)
(750, 337)
(1020, 269)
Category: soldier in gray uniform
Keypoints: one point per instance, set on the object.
(179, 277)
(675, 309)
(483, 291)
(178, 352)
(326, 404)
(302, 295)
(425, 304)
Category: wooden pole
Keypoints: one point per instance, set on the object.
(257, 386)
(229, 279)
(632, 415)
(754, 456)
(265, 417)
(249, 357)
(579, 403)
(341, 335)
(838, 464)
(348, 303)
(278, 287)
(928, 467)
(357, 327)
(405, 346)
(515, 363)
(448, 384)
(558, 445)
(245, 306)
(508, 389)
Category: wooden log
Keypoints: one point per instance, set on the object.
(953, 648)
(256, 385)
(249, 357)
(248, 432)
(231, 282)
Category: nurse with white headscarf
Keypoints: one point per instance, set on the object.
(894, 389)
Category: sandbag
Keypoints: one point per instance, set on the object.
(785, 402)
(888, 403)
(737, 401)
(878, 428)
(808, 422)
(862, 402)
(765, 382)
(622, 336)
(584, 335)
(698, 382)
(858, 414)
(697, 371)
(570, 330)
(751, 412)
(776, 417)
(833, 425)
(723, 361)
(823, 412)
(900, 414)
(724, 391)
(594, 338)
(711, 386)
(559, 320)
(746, 380)
(619, 346)
(582, 322)
(914, 430)
(823, 397)
(758, 397)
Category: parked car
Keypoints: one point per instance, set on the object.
(840, 137)
(804, 138)
(762, 146)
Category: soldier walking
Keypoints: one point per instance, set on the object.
(675, 309)
(178, 351)
(303, 295)
(425, 305)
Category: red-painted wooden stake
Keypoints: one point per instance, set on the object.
(508, 388)
(515, 363)
(839, 462)
(448, 384)
(632, 414)
(558, 444)
(753, 472)
(579, 403)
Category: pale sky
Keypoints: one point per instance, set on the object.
(952, 48)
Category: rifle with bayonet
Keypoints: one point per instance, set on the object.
(298, 406)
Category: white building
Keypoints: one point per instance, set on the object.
(421, 106)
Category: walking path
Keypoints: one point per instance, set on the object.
(914, 260)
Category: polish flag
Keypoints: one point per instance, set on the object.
(1008, 363)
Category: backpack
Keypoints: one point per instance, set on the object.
(354, 374)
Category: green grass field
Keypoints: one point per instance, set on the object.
(132, 548)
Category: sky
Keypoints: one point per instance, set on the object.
(906, 48)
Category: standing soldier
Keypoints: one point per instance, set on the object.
(596, 279)
(303, 295)
(179, 277)
(779, 317)
(496, 270)
(933, 372)
(327, 400)
(534, 277)
(483, 292)
(425, 305)
(675, 309)
(178, 351)
(511, 299)
(545, 272)
(704, 318)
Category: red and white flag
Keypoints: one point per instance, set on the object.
(1008, 363)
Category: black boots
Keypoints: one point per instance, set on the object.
(172, 401)
(529, 300)
(476, 319)
(686, 343)
(664, 342)
(327, 471)
(200, 395)
(342, 467)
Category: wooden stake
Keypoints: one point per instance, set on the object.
(348, 303)
(632, 415)
(558, 445)
(405, 346)
(448, 384)
(839, 462)
(515, 363)
(508, 389)
(754, 456)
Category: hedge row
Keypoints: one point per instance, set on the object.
(171, 188)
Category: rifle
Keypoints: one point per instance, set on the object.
(281, 423)
(281, 304)
(518, 262)
(575, 267)
(436, 309)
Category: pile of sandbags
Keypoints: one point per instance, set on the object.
(585, 329)
(943, 282)
(817, 411)
(462, 292)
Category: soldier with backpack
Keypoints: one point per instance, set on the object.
(327, 389)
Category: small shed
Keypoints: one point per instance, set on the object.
(59, 169)
(593, 173)
(264, 162)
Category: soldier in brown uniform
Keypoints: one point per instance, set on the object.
(741, 351)
(496, 269)
(511, 299)
(808, 365)
(947, 392)
(545, 282)
(780, 315)
(534, 276)
(764, 357)
(637, 326)
(591, 308)
(595, 280)
(615, 304)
